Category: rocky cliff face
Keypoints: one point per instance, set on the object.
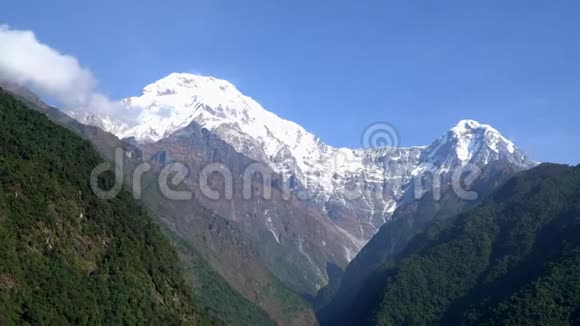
(296, 239)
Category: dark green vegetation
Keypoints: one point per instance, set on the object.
(67, 257)
(409, 220)
(513, 260)
(196, 246)
(213, 291)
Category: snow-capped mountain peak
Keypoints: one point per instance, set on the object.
(182, 87)
(335, 175)
(467, 124)
(175, 101)
(179, 99)
(484, 132)
(470, 142)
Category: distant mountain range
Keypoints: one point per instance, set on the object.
(351, 192)
(338, 223)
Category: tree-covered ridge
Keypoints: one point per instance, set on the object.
(512, 260)
(351, 292)
(211, 289)
(67, 257)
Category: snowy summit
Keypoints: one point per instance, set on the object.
(175, 101)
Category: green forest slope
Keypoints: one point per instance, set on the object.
(67, 257)
(513, 260)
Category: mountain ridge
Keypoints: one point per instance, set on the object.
(324, 172)
(511, 260)
(350, 193)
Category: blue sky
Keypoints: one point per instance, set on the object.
(337, 66)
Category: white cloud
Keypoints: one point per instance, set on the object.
(27, 61)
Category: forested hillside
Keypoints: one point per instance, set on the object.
(513, 260)
(212, 290)
(409, 220)
(67, 257)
